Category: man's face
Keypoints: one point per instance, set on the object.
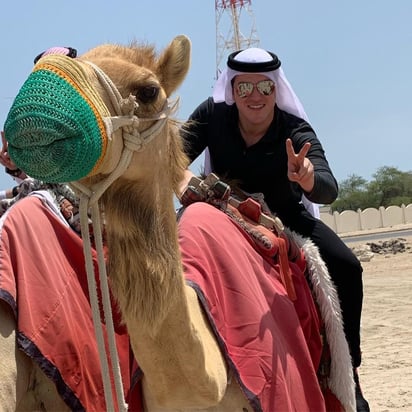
(254, 96)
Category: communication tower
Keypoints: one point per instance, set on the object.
(230, 16)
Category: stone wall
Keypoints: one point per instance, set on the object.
(367, 219)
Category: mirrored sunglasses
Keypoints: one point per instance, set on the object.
(264, 87)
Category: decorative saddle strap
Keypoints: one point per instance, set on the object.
(267, 231)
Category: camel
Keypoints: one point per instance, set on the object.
(189, 356)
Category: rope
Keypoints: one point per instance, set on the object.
(91, 282)
(89, 199)
(107, 309)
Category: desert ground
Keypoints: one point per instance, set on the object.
(386, 370)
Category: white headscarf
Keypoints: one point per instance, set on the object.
(286, 98)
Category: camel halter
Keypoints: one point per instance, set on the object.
(134, 141)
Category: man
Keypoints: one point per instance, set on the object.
(256, 132)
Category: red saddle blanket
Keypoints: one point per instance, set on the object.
(43, 279)
(271, 344)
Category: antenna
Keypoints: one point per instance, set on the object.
(230, 15)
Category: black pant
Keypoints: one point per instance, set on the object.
(344, 268)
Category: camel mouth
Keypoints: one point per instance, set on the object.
(55, 128)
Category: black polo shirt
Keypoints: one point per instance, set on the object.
(261, 167)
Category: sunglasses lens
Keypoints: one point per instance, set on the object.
(244, 89)
(265, 87)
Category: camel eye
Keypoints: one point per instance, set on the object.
(147, 94)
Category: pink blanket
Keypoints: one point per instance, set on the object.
(42, 277)
(271, 344)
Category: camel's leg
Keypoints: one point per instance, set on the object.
(23, 386)
(12, 384)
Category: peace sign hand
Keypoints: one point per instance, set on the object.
(300, 168)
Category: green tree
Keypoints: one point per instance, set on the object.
(353, 194)
(389, 186)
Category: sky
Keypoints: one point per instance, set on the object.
(349, 62)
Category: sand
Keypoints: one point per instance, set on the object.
(386, 370)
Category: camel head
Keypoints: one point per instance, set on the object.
(106, 113)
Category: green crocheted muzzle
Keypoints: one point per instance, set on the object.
(55, 129)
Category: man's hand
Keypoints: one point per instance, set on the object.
(188, 174)
(4, 155)
(300, 168)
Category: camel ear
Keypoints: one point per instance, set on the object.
(174, 63)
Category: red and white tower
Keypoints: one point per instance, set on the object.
(230, 16)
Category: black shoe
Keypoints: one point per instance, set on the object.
(362, 404)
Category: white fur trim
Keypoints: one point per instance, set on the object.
(340, 381)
